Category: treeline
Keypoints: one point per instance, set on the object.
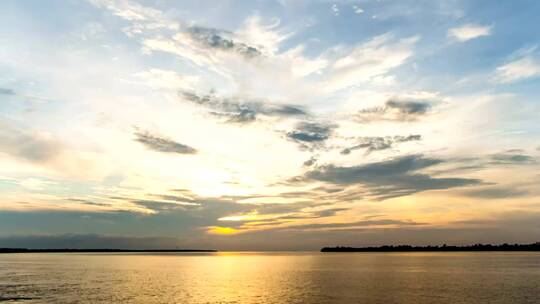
(69, 250)
(445, 248)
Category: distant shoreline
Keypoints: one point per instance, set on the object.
(444, 248)
(101, 250)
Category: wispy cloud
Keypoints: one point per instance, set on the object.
(496, 193)
(395, 110)
(391, 178)
(212, 48)
(162, 144)
(373, 58)
(469, 31)
(507, 158)
(520, 69)
(34, 147)
(357, 224)
(511, 158)
(241, 110)
(377, 143)
(214, 38)
(130, 10)
(46, 150)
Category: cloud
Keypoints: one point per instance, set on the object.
(517, 70)
(216, 49)
(311, 135)
(357, 10)
(207, 209)
(5, 91)
(33, 147)
(310, 162)
(357, 224)
(496, 193)
(256, 46)
(46, 150)
(390, 178)
(214, 38)
(335, 9)
(241, 110)
(408, 107)
(371, 144)
(130, 10)
(511, 157)
(90, 204)
(393, 167)
(395, 110)
(265, 35)
(162, 205)
(220, 51)
(225, 205)
(469, 31)
(240, 213)
(270, 216)
(367, 61)
(311, 132)
(161, 144)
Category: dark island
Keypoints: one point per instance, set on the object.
(105, 250)
(443, 248)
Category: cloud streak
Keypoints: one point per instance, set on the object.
(468, 32)
(357, 224)
(518, 70)
(371, 144)
(511, 157)
(214, 38)
(391, 178)
(161, 144)
(241, 110)
(368, 60)
(395, 110)
(496, 193)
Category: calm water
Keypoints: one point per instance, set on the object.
(271, 278)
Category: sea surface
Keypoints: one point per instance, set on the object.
(283, 277)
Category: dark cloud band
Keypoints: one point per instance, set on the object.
(391, 178)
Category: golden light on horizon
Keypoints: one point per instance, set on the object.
(222, 230)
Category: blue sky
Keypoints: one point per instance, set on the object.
(269, 124)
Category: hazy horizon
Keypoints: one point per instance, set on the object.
(268, 125)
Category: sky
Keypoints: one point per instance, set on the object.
(268, 125)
